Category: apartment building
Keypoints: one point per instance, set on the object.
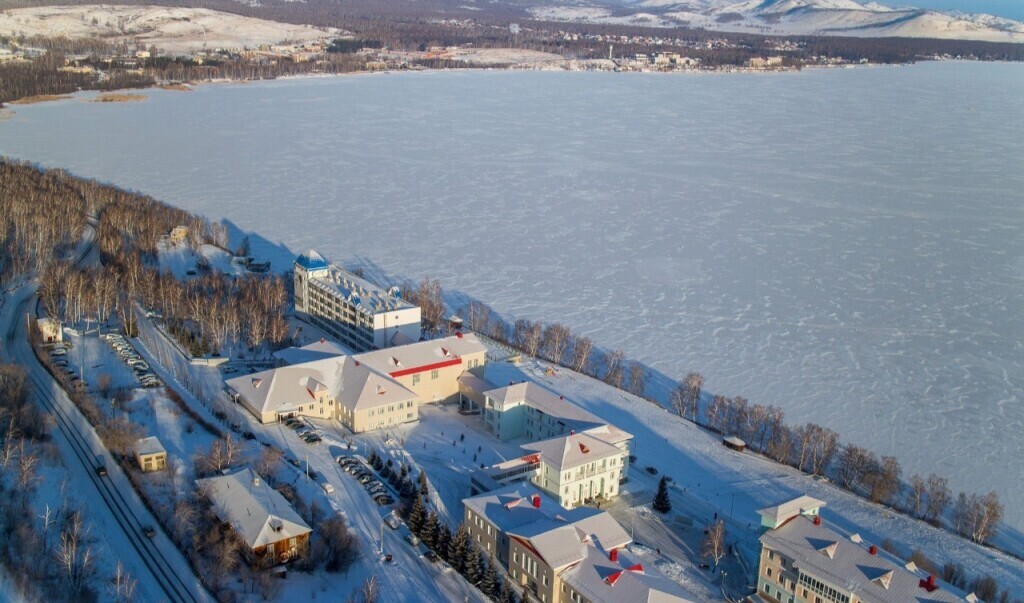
(359, 314)
(431, 368)
(578, 468)
(803, 560)
(561, 555)
(340, 388)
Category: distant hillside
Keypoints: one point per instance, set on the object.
(793, 17)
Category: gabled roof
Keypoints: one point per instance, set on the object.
(551, 404)
(797, 506)
(423, 355)
(567, 452)
(150, 445)
(256, 511)
(349, 382)
(318, 350)
(625, 580)
(873, 578)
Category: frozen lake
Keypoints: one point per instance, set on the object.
(845, 244)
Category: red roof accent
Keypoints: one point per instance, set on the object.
(311, 394)
(928, 584)
(612, 579)
(533, 459)
(584, 449)
(636, 568)
(427, 367)
(459, 334)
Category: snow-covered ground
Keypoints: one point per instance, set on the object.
(172, 29)
(181, 261)
(843, 244)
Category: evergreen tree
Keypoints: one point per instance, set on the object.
(424, 490)
(458, 547)
(378, 463)
(489, 579)
(662, 504)
(385, 472)
(408, 490)
(473, 570)
(431, 531)
(372, 457)
(444, 539)
(506, 595)
(417, 516)
(405, 470)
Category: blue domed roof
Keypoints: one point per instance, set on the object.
(311, 260)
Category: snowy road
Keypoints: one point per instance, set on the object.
(112, 504)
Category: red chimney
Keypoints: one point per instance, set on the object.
(357, 363)
(459, 334)
(613, 555)
(817, 520)
(929, 584)
(536, 501)
(572, 432)
(322, 340)
(873, 550)
(561, 397)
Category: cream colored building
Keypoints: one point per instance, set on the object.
(50, 330)
(150, 455)
(805, 561)
(431, 368)
(578, 468)
(340, 388)
(359, 314)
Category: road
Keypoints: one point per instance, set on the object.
(112, 503)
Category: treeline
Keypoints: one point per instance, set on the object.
(43, 211)
(43, 76)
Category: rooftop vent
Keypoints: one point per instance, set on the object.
(613, 555)
(928, 583)
(536, 501)
(873, 550)
(817, 520)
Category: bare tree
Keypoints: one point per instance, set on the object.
(917, 495)
(526, 335)
(76, 558)
(713, 546)
(854, 464)
(555, 341)
(938, 498)
(976, 517)
(613, 369)
(883, 480)
(123, 586)
(582, 346)
(637, 379)
(370, 591)
(694, 384)
(716, 413)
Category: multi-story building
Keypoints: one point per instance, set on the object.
(805, 561)
(561, 555)
(578, 457)
(578, 468)
(361, 315)
(339, 388)
(431, 368)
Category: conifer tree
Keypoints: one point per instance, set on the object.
(372, 457)
(444, 539)
(506, 595)
(473, 570)
(431, 531)
(662, 504)
(424, 490)
(489, 578)
(417, 516)
(458, 549)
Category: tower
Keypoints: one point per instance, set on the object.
(308, 265)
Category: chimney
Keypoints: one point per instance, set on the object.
(572, 432)
(357, 363)
(613, 555)
(817, 520)
(873, 550)
(536, 501)
(929, 584)
(322, 340)
(561, 397)
(459, 334)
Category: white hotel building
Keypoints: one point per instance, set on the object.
(361, 315)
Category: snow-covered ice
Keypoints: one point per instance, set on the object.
(845, 244)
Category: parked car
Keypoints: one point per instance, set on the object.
(431, 556)
(313, 475)
(327, 488)
(148, 531)
(58, 352)
(61, 362)
(383, 500)
(293, 461)
(101, 466)
(312, 439)
(412, 539)
(392, 521)
(366, 477)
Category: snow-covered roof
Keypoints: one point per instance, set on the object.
(349, 382)
(256, 511)
(567, 452)
(150, 445)
(364, 296)
(551, 404)
(311, 260)
(474, 383)
(874, 578)
(625, 580)
(423, 355)
(556, 532)
(797, 506)
(317, 350)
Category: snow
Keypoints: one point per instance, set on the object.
(828, 265)
(180, 260)
(172, 29)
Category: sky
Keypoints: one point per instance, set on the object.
(1013, 9)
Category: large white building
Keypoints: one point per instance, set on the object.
(361, 315)
(573, 455)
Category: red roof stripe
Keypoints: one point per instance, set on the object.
(427, 367)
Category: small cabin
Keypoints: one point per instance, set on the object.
(50, 330)
(150, 455)
(734, 443)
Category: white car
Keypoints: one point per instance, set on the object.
(327, 488)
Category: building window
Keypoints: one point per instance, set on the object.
(415, 378)
(434, 374)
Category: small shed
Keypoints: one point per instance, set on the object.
(150, 454)
(50, 329)
(178, 234)
(734, 443)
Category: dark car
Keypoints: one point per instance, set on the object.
(148, 531)
(294, 462)
(431, 556)
(101, 469)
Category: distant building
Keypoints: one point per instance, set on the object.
(318, 350)
(804, 561)
(560, 555)
(50, 329)
(178, 235)
(578, 468)
(260, 515)
(361, 315)
(431, 368)
(150, 455)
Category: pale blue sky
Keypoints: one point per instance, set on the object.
(1013, 9)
